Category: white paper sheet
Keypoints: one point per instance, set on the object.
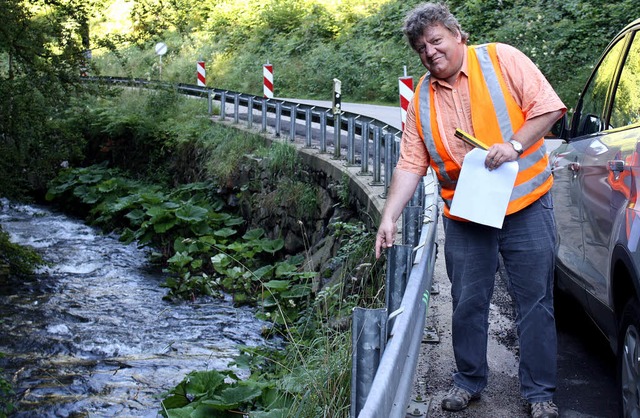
(482, 196)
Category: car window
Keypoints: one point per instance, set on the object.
(626, 104)
(592, 113)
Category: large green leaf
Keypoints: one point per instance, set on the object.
(191, 213)
(176, 400)
(181, 259)
(199, 384)
(285, 269)
(236, 396)
(162, 227)
(224, 232)
(253, 234)
(184, 412)
(124, 202)
(271, 246)
(279, 285)
(136, 216)
(233, 220)
(90, 178)
(201, 228)
(158, 212)
(263, 271)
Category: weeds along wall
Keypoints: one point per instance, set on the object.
(342, 182)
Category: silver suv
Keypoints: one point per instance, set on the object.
(596, 188)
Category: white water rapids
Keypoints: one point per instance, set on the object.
(91, 336)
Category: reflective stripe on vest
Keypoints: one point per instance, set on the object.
(535, 155)
(425, 118)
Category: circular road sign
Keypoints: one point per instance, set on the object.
(161, 48)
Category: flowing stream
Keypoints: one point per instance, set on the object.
(90, 336)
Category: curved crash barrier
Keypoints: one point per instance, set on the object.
(386, 342)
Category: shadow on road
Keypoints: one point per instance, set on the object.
(586, 365)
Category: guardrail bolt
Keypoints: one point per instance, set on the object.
(417, 409)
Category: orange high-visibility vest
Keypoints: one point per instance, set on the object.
(495, 116)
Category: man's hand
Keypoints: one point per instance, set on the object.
(386, 236)
(403, 185)
(500, 153)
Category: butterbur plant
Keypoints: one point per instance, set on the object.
(221, 394)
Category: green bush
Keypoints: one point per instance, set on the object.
(16, 260)
(310, 42)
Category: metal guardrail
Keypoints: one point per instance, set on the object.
(316, 124)
(390, 338)
(385, 341)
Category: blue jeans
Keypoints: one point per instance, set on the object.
(527, 245)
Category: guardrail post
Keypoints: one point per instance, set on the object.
(308, 121)
(292, 117)
(210, 101)
(265, 110)
(368, 339)
(250, 112)
(337, 134)
(364, 135)
(377, 157)
(323, 131)
(411, 225)
(223, 105)
(418, 197)
(236, 108)
(389, 139)
(399, 263)
(351, 141)
(278, 117)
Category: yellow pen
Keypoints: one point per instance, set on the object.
(470, 139)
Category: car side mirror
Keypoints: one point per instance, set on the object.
(559, 129)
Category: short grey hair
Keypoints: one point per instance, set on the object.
(429, 14)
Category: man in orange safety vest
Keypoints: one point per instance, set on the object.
(495, 93)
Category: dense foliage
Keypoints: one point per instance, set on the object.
(310, 42)
(16, 260)
(45, 48)
(42, 56)
(166, 196)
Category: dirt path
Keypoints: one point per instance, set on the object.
(501, 398)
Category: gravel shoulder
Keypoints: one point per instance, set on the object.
(436, 364)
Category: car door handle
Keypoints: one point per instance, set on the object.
(617, 166)
(573, 166)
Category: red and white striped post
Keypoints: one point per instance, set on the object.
(267, 79)
(406, 94)
(202, 79)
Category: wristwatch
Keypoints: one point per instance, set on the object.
(516, 146)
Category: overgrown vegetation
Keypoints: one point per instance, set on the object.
(16, 260)
(41, 56)
(310, 377)
(207, 248)
(310, 42)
